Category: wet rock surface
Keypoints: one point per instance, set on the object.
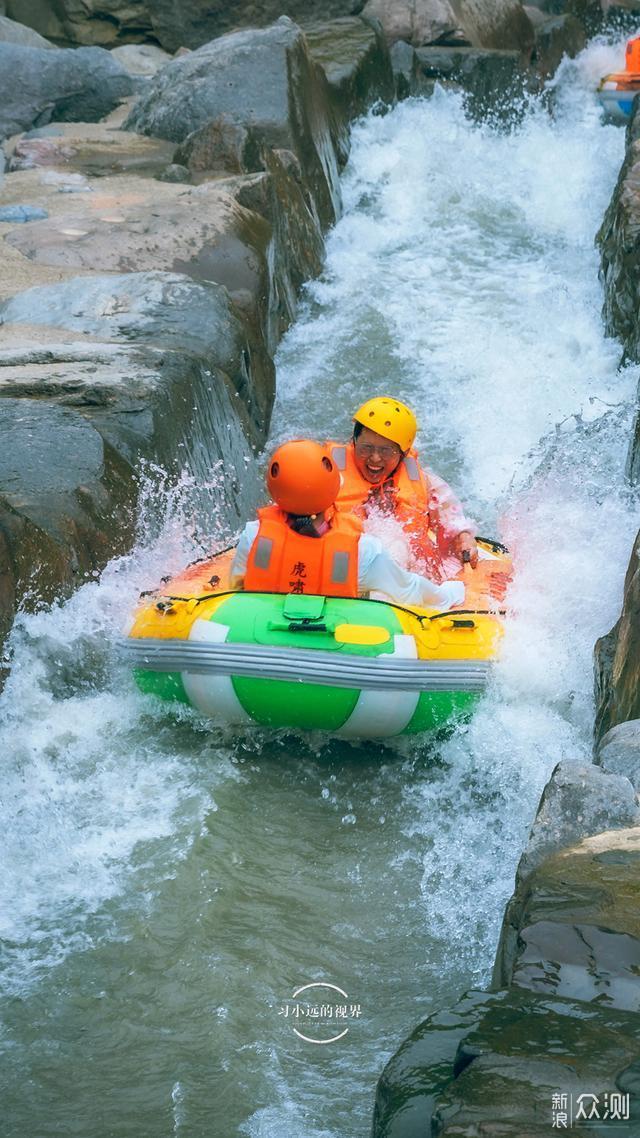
(494, 81)
(66, 503)
(491, 1064)
(356, 63)
(572, 927)
(93, 151)
(404, 63)
(617, 658)
(620, 265)
(38, 85)
(171, 318)
(597, 16)
(555, 37)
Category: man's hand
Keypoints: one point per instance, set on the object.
(465, 544)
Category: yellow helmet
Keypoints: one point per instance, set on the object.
(389, 418)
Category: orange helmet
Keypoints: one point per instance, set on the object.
(302, 478)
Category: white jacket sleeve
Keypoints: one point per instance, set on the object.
(378, 572)
(241, 556)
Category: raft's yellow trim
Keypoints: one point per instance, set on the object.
(173, 622)
(361, 634)
(440, 639)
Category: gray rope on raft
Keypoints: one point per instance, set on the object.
(310, 666)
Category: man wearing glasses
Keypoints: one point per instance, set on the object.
(382, 477)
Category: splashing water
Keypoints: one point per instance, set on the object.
(166, 886)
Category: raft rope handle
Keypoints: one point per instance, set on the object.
(371, 600)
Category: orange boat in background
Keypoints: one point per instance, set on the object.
(617, 91)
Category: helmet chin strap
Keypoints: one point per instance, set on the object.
(308, 525)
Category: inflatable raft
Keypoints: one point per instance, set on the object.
(617, 91)
(356, 668)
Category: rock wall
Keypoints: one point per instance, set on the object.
(500, 24)
(618, 653)
(173, 23)
(566, 970)
(144, 286)
(618, 658)
(492, 1064)
(620, 266)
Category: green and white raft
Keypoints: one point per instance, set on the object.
(356, 668)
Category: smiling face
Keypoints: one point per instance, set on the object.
(376, 457)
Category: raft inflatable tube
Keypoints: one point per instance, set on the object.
(360, 669)
(616, 93)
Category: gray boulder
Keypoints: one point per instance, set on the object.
(579, 800)
(500, 24)
(221, 146)
(619, 751)
(404, 63)
(12, 32)
(424, 22)
(141, 58)
(37, 85)
(263, 79)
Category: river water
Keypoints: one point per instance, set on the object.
(166, 886)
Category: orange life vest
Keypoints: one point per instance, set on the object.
(405, 495)
(283, 561)
(632, 56)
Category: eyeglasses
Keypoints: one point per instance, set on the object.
(367, 449)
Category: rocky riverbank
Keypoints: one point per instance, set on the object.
(158, 218)
(152, 260)
(561, 1014)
